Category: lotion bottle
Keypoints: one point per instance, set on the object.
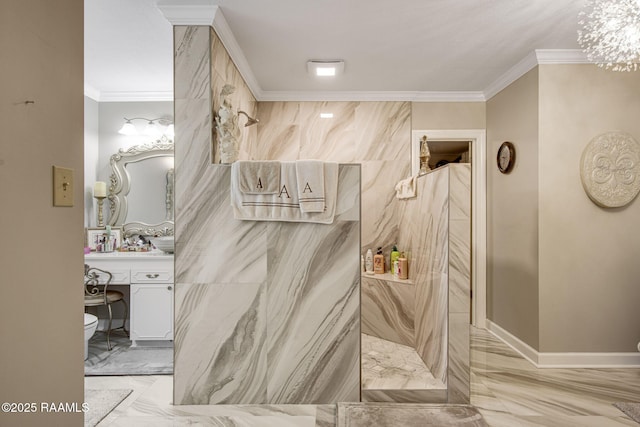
(378, 262)
(369, 262)
(403, 267)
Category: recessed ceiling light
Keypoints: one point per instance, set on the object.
(326, 115)
(325, 68)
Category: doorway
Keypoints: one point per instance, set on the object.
(476, 139)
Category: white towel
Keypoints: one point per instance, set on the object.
(310, 179)
(406, 189)
(284, 205)
(261, 177)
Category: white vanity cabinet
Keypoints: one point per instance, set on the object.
(151, 304)
(151, 287)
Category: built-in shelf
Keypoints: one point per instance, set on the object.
(388, 277)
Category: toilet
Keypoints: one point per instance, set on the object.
(90, 325)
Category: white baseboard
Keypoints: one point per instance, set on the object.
(521, 347)
(564, 360)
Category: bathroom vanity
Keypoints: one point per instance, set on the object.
(150, 278)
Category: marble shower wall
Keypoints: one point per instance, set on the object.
(435, 228)
(375, 134)
(388, 309)
(267, 312)
(224, 71)
(277, 312)
(459, 282)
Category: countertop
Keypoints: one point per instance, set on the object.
(155, 254)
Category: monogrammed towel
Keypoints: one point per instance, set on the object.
(258, 177)
(285, 204)
(310, 178)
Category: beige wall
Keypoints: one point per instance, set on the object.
(448, 115)
(512, 211)
(41, 320)
(562, 274)
(589, 269)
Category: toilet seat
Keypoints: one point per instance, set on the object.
(89, 320)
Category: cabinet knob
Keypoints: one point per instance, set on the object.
(153, 276)
(169, 287)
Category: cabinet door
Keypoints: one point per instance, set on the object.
(151, 311)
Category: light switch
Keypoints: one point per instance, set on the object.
(62, 186)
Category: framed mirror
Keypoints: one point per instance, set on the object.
(141, 189)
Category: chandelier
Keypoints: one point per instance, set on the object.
(610, 33)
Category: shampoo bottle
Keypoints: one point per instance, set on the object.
(393, 259)
(369, 262)
(403, 267)
(378, 262)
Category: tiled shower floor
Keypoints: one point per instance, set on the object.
(390, 366)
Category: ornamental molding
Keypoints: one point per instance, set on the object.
(610, 169)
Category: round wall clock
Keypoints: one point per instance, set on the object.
(506, 157)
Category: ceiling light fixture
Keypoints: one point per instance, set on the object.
(328, 68)
(610, 33)
(326, 115)
(152, 129)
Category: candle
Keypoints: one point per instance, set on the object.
(100, 189)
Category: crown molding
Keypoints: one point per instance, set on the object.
(413, 96)
(91, 92)
(449, 96)
(204, 12)
(514, 73)
(230, 43)
(533, 59)
(561, 56)
(134, 96)
(197, 12)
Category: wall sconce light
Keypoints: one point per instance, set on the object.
(152, 129)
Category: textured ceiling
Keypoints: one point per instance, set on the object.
(404, 45)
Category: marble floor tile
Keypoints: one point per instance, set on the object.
(489, 353)
(504, 386)
(216, 421)
(507, 390)
(388, 365)
(408, 414)
(123, 359)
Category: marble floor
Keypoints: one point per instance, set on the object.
(387, 365)
(123, 359)
(506, 388)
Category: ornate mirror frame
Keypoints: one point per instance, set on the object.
(120, 185)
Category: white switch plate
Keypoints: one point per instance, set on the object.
(62, 186)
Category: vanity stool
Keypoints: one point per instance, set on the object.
(96, 293)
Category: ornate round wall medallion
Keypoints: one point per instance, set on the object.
(610, 169)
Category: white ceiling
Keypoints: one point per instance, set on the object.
(417, 46)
